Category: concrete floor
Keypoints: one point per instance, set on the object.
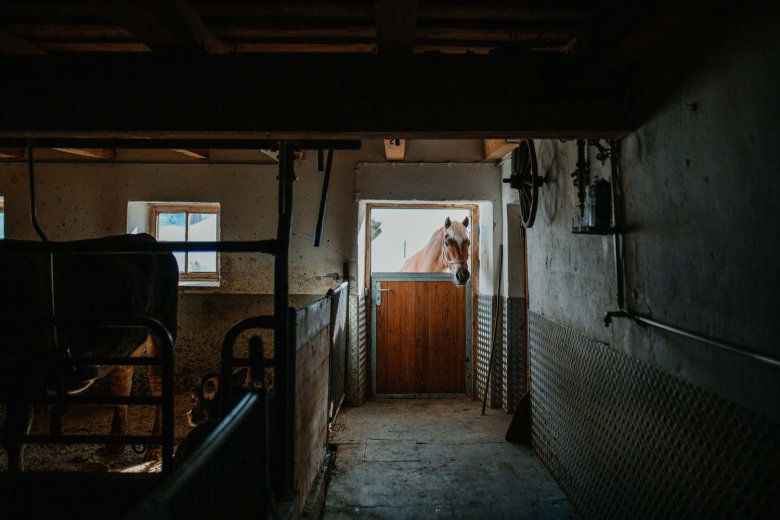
(436, 458)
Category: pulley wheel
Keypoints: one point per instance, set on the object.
(526, 180)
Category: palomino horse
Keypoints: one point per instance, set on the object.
(447, 250)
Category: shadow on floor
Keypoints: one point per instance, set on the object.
(436, 458)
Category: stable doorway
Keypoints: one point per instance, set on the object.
(422, 316)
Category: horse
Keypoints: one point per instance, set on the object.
(446, 250)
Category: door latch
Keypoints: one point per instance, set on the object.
(378, 293)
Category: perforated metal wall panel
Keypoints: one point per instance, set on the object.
(626, 440)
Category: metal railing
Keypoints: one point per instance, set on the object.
(62, 361)
(227, 477)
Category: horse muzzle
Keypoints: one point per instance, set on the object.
(461, 275)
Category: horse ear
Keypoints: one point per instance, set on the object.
(466, 222)
(448, 222)
(210, 388)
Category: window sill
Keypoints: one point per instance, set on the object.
(199, 283)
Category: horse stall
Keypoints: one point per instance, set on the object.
(288, 407)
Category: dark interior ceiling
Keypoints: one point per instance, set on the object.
(351, 68)
(383, 27)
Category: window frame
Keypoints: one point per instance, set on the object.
(155, 208)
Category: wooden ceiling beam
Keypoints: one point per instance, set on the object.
(12, 44)
(343, 96)
(495, 149)
(479, 11)
(341, 10)
(195, 154)
(11, 153)
(129, 47)
(90, 153)
(312, 48)
(395, 149)
(287, 9)
(396, 24)
(163, 25)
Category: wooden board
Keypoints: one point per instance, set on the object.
(312, 364)
(421, 338)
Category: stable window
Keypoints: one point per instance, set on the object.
(189, 222)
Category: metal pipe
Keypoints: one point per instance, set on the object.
(620, 279)
(228, 360)
(284, 353)
(96, 247)
(323, 200)
(31, 178)
(617, 220)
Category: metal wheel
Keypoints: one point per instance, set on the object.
(526, 180)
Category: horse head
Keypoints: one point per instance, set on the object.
(455, 249)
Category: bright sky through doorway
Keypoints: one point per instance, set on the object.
(405, 229)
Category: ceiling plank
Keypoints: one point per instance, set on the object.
(134, 47)
(395, 149)
(12, 44)
(11, 153)
(195, 154)
(508, 12)
(163, 25)
(287, 9)
(346, 96)
(90, 153)
(274, 47)
(495, 149)
(396, 24)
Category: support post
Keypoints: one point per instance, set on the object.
(284, 353)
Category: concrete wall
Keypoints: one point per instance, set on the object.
(702, 187)
(702, 184)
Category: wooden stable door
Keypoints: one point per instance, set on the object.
(421, 338)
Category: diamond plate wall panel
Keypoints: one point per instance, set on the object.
(356, 371)
(626, 440)
(485, 306)
(362, 337)
(514, 346)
